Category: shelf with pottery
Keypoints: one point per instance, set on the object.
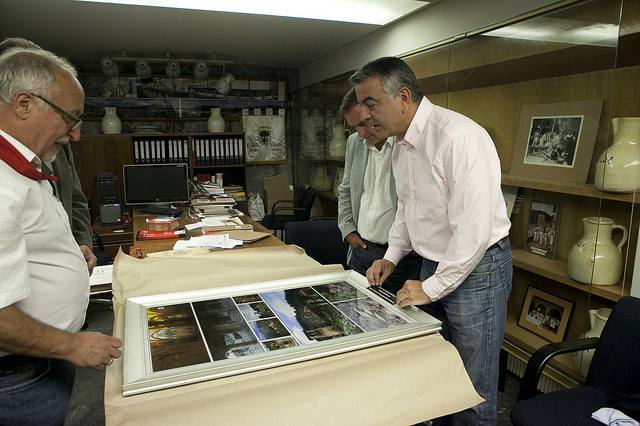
(557, 270)
(579, 189)
(179, 103)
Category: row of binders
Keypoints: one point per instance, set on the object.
(150, 151)
(218, 150)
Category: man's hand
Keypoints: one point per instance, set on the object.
(379, 271)
(411, 293)
(354, 240)
(95, 350)
(89, 257)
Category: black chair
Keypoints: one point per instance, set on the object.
(296, 210)
(613, 379)
(321, 239)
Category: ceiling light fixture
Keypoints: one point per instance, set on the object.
(375, 12)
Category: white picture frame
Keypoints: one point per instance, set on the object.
(269, 330)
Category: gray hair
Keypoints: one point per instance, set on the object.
(11, 42)
(29, 70)
(393, 73)
(349, 101)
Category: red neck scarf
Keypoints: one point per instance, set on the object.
(10, 155)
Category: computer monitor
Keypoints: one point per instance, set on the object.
(146, 184)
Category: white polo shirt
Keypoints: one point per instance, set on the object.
(42, 270)
(377, 206)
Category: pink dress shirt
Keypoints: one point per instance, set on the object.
(450, 204)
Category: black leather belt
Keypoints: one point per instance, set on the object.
(499, 244)
(12, 364)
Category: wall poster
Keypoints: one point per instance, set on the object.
(180, 338)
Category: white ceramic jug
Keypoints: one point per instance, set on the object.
(618, 168)
(215, 123)
(111, 124)
(595, 258)
(338, 144)
(597, 319)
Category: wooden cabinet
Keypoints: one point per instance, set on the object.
(114, 237)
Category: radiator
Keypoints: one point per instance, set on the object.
(517, 367)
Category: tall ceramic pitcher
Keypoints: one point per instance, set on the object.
(618, 168)
(597, 319)
(595, 258)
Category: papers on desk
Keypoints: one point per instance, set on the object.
(208, 241)
(101, 275)
(223, 220)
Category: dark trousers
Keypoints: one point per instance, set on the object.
(407, 269)
(34, 391)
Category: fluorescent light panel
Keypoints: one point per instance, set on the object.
(376, 12)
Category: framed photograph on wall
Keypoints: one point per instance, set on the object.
(542, 230)
(545, 314)
(180, 338)
(555, 141)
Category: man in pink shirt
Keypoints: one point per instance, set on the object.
(452, 213)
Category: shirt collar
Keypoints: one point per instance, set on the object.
(26, 152)
(418, 124)
(390, 141)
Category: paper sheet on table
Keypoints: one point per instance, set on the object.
(101, 275)
(214, 221)
(208, 241)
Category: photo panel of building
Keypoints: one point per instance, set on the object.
(225, 330)
(337, 292)
(369, 314)
(308, 316)
(174, 338)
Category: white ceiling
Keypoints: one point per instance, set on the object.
(86, 31)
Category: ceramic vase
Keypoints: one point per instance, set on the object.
(321, 180)
(111, 124)
(597, 319)
(618, 168)
(595, 258)
(215, 123)
(224, 84)
(338, 144)
(338, 181)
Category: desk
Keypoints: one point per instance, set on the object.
(151, 246)
(399, 383)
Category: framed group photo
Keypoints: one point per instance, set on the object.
(545, 314)
(555, 141)
(542, 231)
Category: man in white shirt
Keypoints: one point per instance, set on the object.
(452, 213)
(367, 197)
(68, 187)
(44, 286)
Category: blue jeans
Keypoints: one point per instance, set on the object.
(34, 391)
(473, 317)
(407, 269)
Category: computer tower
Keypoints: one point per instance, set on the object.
(109, 198)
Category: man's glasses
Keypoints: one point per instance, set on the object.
(73, 121)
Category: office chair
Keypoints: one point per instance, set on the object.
(296, 210)
(613, 379)
(321, 239)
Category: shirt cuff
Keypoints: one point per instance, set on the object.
(394, 255)
(430, 286)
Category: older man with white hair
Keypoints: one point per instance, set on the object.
(44, 286)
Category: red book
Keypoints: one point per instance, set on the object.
(145, 234)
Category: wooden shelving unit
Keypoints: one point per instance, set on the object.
(557, 271)
(522, 343)
(578, 189)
